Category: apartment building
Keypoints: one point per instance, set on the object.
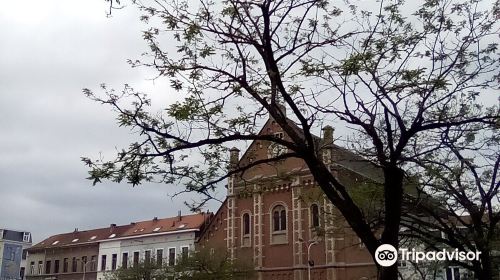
(13, 246)
(89, 254)
(158, 240)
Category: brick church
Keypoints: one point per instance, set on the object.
(275, 215)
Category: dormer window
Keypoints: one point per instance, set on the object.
(26, 237)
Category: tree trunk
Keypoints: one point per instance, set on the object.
(388, 273)
(393, 196)
(484, 270)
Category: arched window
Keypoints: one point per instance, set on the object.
(314, 216)
(279, 218)
(246, 224)
(245, 230)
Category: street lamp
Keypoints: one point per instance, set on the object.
(309, 261)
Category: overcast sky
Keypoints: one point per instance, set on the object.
(49, 51)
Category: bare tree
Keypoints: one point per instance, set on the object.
(463, 181)
(394, 73)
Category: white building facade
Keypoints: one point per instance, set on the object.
(149, 242)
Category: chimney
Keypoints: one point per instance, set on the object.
(179, 216)
(234, 157)
(112, 226)
(328, 135)
(132, 223)
(76, 230)
(155, 219)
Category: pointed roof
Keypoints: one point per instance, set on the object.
(343, 157)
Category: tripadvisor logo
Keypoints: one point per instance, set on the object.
(386, 255)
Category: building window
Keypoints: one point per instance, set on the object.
(47, 267)
(32, 268)
(245, 230)
(159, 257)
(114, 259)
(147, 257)
(314, 216)
(74, 265)
(246, 224)
(93, 263)
(65, 265)
(136, 259)
(125, 260)
(279, 225)
(24, 254)
(279, 218)
(21, 273)
(56, 266)
(171, 256)
(103, 263)
(185, 252)
(26, 237)
(452, 273)
(84, 263)
(40, 267)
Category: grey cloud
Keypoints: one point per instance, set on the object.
(49, 52)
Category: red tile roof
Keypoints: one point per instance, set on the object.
(153, 226)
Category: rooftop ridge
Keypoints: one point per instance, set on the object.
(145, 227)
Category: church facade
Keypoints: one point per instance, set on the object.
(276, 217)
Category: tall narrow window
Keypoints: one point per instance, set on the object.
(171, 256)
(40, 267)
(103, 263)
(136, 259)
(147, 257)
(159, 257)
(21, 273)
(125, 260)
(56, 266)
(65, 265)
(283, 219)
(84, 263)
(185, 252)
(245, 230)
(47, 267)
(314, 216)
(246, 224)
(114, 259)
(279, 218)
(32, 268)
(73, 265)
(452, 273)
(93, 263)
